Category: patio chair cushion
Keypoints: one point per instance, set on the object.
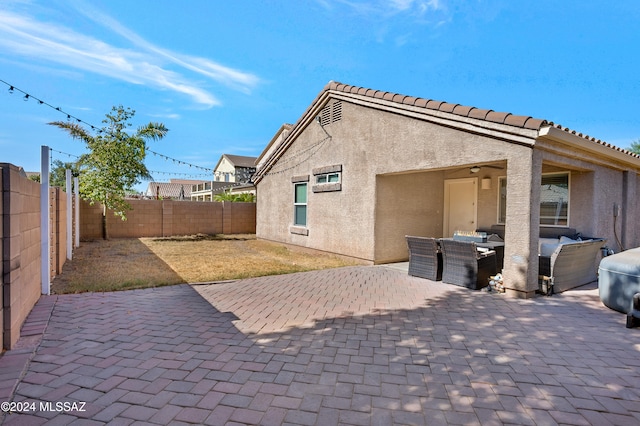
(547, 248)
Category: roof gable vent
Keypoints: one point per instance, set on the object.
(331, 113)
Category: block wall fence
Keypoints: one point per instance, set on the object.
(20, 235)
(166, 218)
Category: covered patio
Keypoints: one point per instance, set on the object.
(492, 198)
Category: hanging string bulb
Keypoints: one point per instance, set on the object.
(27, 96)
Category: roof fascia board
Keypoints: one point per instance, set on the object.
(307, 117)
(218, 163)
(567, 138)
(282, 129)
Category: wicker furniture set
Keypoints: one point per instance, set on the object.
(564, 262)
(461, 263)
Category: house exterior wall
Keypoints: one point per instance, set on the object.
(223, 168)
(406, 204)
(596, 187)
(372, 146)
(342, 221)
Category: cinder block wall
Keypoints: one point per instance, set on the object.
(192, 217)
(58, 230)
(239, 218)
(144, 220)
(166, 218)
(90, 221)
(20, 250)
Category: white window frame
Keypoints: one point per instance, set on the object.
(297, 204)
(323, 178)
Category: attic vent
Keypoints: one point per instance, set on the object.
(336, 111)
(325, 115)
(331, 113)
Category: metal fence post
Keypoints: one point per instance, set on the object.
(45, 216)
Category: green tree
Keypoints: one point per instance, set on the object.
(244, 197)
(58, 175)
(635, 146)
(115, 161)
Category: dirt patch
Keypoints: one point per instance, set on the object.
(122, 264)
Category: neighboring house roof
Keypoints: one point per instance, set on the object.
(437, 110)
(238, 160)
(168, 189)
(551, 193)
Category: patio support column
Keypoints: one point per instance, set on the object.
(522, 224)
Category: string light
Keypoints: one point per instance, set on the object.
(295, 155)
(69, 116)
(28, 96)
(210, 171)
(63, 153)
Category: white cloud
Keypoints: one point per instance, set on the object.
(203, 66)
(141, 63)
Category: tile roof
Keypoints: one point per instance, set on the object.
(504, 118)
(522, 121)
(168, 189)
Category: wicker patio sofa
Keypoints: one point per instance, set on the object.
(464, 265)
(570, 264)
(566, 259)
(425, 258)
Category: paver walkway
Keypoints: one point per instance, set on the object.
(352, 346)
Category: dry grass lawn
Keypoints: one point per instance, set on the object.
(122, 264)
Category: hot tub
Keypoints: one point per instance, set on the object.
(619, 279)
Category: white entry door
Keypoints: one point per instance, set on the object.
(460, 205)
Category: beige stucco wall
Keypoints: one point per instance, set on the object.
(406, 204)
(392, 168)
(596, 186)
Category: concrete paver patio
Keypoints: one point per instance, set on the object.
(352, 346)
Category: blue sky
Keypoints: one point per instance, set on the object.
(224, 76)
